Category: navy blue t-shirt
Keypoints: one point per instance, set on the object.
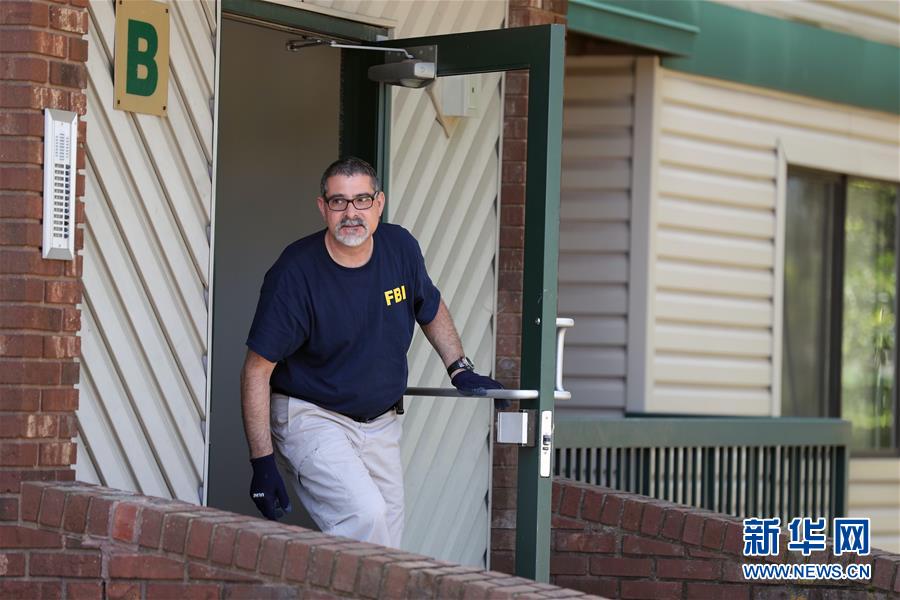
(340, 335)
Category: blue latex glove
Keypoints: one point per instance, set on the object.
(267, 488)
(470, 383)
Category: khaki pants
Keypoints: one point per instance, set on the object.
(348, 475)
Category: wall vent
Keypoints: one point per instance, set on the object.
(60, 145)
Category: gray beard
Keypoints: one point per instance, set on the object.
(348, 239)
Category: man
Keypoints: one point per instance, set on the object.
(326, 363)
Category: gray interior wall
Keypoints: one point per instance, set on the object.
(278, 130)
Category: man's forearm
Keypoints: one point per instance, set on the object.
(255, 406)
(443, 336)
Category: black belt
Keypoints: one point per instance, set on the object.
(397, 406)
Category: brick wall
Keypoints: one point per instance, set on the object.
(623, 545)
(42, 56)
(509, 294)
(72, 540)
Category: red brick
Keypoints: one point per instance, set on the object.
(199, 536)
(124, 522)
(515, 128)
(651, 590)
(70, 20)
(23, 13)
(64, 564)
(612, 510)
(12, 564)
(98, 516)
(516, 106)
(20, 123)
(693, 529)
(346, 567)
(57, 453)
(207, 573)
(174, 532)
(53, 504)
(516, 82)
(19, 398)
(15, 536)
(593, 541)
(883, 572)
(76, 514)
(69, 375)
(123, 591)
(296, 561)
(394, 582)
(59, 400)
(247, 549)
(71, 319)
(9, 509)
(14, 454)
(223, 544)
(30, 589)
(73, 75)
(28, 262)
(23, 178)
(558, 522)
(30, 317)
(78, 51)
(640, 545)
(716, 591)
(713, 533)
(21, 289)
(57, 346)
(734, 539)
(600, 586)
(503, 539)
(321, 564)
(673, 568)
(619, 567)
(183, 591)
(144, 566)
(84, 591)
(62, 292)
(651, 519)
(571, 499)
(21, 346)
(31, 501)
(511, 280)
(631, 514)
(568, 564)
(20, 151)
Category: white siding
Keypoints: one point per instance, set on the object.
(444, 190)
(877, 20)
(875, 493)
(146, 268)
(594, 237)
(716, 299)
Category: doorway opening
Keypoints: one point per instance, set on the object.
(278, 128)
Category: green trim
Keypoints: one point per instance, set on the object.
(303, 19)
(719, 41)
(656, 432)
(668, 27)
(764, 51)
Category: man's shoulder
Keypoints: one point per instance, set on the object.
(299, 253)
(396, 234)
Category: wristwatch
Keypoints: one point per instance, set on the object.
(460, 363)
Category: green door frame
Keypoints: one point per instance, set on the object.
(541, 50)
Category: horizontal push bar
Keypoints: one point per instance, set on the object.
(455, 393)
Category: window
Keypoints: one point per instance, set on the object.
(840, 304)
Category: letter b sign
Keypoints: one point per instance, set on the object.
(142, 56)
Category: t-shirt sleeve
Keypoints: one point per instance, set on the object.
(427, 296)
(281, 322)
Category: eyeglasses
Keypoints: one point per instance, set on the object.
(340, 203)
